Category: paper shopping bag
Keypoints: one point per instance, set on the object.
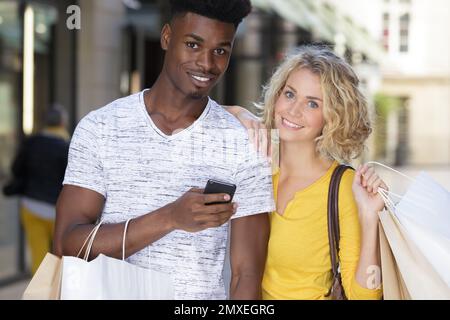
(46, 283)
(423, 212)
(419, 277)
(394, 287)
(434, 246)
(426, 203)
(106, 278)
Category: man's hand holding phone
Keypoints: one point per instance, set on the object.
(196, 211)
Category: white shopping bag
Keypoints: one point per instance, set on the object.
(426, 203)
(424, 214)
(409, 274)
(106, 278)
(434, 246)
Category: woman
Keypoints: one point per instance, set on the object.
(322, 119)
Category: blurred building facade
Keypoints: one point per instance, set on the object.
(415, 88)
(37, 61)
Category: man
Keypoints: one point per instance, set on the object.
(39, 169)
(148, 155)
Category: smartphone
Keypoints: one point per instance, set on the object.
(215, 186)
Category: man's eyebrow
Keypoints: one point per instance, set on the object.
(200, 39)
(225, 44)
(194, 36)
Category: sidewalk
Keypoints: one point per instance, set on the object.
(13, 291)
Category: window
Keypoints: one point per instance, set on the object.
(385, 36)
(404, 32)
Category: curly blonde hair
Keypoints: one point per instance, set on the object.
(345, 110)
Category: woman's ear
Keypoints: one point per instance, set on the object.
(166, 34)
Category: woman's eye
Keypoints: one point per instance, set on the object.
(312, 104)
(289, 94)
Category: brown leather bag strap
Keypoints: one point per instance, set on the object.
(333, 217)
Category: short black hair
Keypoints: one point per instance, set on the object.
(230, 11)
(54, 116)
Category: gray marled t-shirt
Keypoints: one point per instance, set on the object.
(120, 153)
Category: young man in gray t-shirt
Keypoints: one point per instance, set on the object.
(148, 156)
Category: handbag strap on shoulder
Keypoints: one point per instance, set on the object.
(333, 217)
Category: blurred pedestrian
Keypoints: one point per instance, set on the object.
(38, 171)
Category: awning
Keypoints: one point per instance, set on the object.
(356, 36)
(261, 4)
(325, 23)
(302, 13)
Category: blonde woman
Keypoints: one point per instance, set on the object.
(322, 119)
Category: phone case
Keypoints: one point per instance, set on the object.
(215, 186)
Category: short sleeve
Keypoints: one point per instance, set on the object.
(254, 192)
(84, 167)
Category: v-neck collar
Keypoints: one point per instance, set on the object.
(179, 134)
(276, 179)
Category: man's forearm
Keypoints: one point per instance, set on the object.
(142, 231)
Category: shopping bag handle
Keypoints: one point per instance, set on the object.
(384, 193)
(392, 169)
(123, 238)
(91, 236)
(387, 200)
(89, 239)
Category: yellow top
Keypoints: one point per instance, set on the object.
(298, 262)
